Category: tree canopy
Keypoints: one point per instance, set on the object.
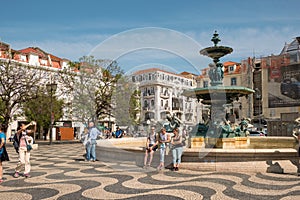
(18, 84)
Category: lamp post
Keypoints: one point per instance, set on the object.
(51, 88)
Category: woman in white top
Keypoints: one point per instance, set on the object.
(162, 141)
(22, 139)
(151, 140)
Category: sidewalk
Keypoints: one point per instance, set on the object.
(60, 172)
(47, 142)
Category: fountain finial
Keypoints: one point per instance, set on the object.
(215, 39)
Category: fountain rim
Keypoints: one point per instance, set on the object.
(218, 89)
(209, 51)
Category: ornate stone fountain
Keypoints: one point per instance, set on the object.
(217, 95)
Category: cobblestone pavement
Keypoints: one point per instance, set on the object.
(60, 172)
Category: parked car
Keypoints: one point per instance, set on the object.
(256, 133)
(291, 88)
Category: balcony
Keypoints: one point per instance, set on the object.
(164, 95)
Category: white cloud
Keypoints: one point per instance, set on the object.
(139, 47)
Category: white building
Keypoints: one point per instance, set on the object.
(161, 95)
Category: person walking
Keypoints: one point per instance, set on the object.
(177, 149)
(162, 141)
(21, 139)
(3, 152)
(91, 146)
(150, 147)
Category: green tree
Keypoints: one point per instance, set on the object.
(125, 109)
(135, 107)
(18, 84)
(38, 109)
(91, 82)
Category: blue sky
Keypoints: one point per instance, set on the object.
(139, 34)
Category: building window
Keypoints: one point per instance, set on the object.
(205, 84)
(166, 93)
(231, 68)
(293, 57)
(233, 81)
(152, 102)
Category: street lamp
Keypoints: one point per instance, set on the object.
(51, 88)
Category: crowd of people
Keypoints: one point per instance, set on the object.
(165, 142)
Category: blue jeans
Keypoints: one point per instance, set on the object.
(91, 150)
(88, 151)
(162, 151)
(177, 152)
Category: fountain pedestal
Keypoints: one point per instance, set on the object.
(223, 143)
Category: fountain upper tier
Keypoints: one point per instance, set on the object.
(216, 52)
(217, 93)
(223, 94)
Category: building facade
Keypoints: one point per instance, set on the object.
(276, 80)
(50, 64)
(161, 95)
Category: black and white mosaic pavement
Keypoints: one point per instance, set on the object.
(60, 172)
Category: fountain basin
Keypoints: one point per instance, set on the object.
(131, 151)
(227, 92)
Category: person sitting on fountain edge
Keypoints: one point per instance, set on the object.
(119, 132)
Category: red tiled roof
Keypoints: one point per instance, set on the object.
(229, 63)
(55, 58)
(32, 50)
(187, 74)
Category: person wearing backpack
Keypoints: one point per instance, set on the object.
(21, 140)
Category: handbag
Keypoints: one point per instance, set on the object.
(28, 146)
